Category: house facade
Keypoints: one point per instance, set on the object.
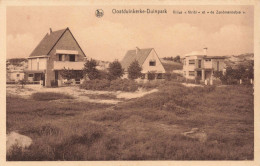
(14, 75)
(147, 59)
(56, 51)
(197, 65)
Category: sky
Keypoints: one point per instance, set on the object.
(109, 37)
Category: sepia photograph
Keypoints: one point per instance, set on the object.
(129, 82)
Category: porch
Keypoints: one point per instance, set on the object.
(35, 77)
(203, 74)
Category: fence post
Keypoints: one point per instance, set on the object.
(211, 82)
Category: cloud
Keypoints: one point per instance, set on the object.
(183, 38)
(232, 39)
(20, 45)
(106, 40)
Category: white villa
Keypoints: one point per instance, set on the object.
(198, 65)
(147, 59)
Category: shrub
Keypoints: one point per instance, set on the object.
(167, 76)
(115, 70)
(96, 84)
(170, 106)
(150, 85)
(103, 75)
(50, 96)
(71, 74)
(114, 85)
(22, 82)
(90, 69)
(134, 70)
(123, 85)
(151, 76)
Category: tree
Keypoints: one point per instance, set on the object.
(151, 76)
(241, 72)
(250, 70)
(221, 76)
(90, 69)
(177, 59)
(67, 74)
(134, 70)
(115, 70)
(22, 82)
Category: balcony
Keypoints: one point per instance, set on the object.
(59, 65)
(208, 65)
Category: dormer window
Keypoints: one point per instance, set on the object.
(152, 63)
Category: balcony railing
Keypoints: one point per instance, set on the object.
(59, 65)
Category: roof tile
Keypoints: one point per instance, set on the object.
(46, 44)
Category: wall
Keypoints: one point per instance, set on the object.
(158, 68)
(13, 76)
(222, 64)
(189, 67)
(34, 62)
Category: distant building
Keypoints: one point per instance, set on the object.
(56, 51)
(14, 75)
(198, 65)
(147, 59)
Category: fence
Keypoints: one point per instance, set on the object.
(27, 82)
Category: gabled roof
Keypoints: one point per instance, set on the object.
(131, 56)
(49, 41)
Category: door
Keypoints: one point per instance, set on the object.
(56, 78)
(43, 79)
(199, 75)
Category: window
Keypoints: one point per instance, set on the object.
(72, 58)
(184, 73)
(30, 75)
(191, 73)
(199, 63)
(17, 75)
(207, 60)
(191, 62)
(152, 63)
(60, 57)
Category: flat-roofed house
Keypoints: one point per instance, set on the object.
(147, 59)
(198, 65)
(56, 51)
(15, 75)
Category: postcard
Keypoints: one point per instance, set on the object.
(130, 83)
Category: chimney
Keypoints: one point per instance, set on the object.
(137, 50)
(50, 30)
(205, 50)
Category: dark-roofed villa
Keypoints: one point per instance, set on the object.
(56, 51)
